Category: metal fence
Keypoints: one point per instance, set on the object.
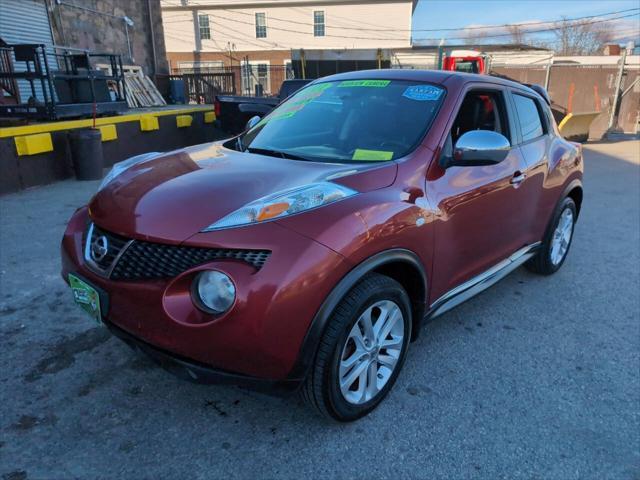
(203, 87)
(586, 88)
(572, 88)
(250, 79)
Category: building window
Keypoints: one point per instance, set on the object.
(261, 25)
(318, 23)
(256, 79)
(203, 26)
(288, 70)
(192, 67)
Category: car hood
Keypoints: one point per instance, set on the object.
(175, 195)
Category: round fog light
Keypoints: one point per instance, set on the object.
(215, 291)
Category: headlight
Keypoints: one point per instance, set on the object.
(284, 203)
(214, 291)
(120, 167)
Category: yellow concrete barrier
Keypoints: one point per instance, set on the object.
(108, 132)
(149, 123)
(209, 117)
(32, 144)
(183, 121)
(6, 132)
(575, 126)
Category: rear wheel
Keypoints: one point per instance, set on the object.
(555, 246)
(361, 351)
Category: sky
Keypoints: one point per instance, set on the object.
(430, 14)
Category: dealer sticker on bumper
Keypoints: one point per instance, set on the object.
(86, 296)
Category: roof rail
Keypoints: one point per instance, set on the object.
(540, 90)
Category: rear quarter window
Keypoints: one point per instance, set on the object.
(529, 118)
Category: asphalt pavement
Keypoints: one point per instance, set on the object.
(537, 378)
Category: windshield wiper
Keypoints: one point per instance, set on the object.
(275, 153)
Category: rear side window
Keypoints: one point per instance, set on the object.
(529, 117)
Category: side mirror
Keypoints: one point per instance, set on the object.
(253, 121)
(479, 147)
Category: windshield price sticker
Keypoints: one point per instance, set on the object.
(422, 93)
(320, 87)
(365, 83)
(309, 93)
(371, 155)
(284, 115)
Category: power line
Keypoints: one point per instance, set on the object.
(220, 27)
(479, 27)
(508, 34)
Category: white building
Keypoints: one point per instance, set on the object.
(209, 34)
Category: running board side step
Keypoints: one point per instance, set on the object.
(472, 287)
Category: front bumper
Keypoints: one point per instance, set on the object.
(260, 337)
(199, 373)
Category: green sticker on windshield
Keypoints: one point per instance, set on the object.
(320, 87)
(371, 155)
(365, 83)
(284, 115)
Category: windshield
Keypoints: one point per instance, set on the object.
(346, 121)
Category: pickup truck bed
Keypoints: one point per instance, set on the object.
(236, 110)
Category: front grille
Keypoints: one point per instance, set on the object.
(148, 260)
(144, 260)
(114, 243)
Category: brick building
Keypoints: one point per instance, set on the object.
(130, 28)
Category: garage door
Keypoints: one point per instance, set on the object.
(26, 21)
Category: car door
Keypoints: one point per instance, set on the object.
(534, 139)
(478, 207)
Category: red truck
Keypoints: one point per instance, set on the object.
(467, 61)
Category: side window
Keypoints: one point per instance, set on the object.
(481, 110)
(528, 117)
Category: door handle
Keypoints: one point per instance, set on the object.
(518, 178)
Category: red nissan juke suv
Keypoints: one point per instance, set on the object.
(305, 253)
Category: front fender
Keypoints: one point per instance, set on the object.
(321, 319)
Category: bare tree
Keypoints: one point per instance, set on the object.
(518, 36)
(474, 37)
(581, 38)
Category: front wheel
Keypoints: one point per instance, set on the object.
(555, 246)
(361, 351)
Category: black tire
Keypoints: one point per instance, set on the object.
(321, 388)
(542, 263)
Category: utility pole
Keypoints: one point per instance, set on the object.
(548, 73)
(616, 98)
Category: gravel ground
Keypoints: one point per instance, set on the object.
(535, 378)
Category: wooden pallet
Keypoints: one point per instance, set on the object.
(140, 90)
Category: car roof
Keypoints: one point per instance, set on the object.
(438, 77)
(431, 76)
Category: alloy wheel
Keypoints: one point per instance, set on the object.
(371, 352)
(562, 236)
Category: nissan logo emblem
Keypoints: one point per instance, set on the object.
(99, 248)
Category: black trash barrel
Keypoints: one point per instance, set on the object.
(86, 152)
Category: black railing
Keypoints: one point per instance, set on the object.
(203, 87)
(249, 79)
(9, 85)
(60, 85)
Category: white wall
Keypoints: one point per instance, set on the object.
(289, 27)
